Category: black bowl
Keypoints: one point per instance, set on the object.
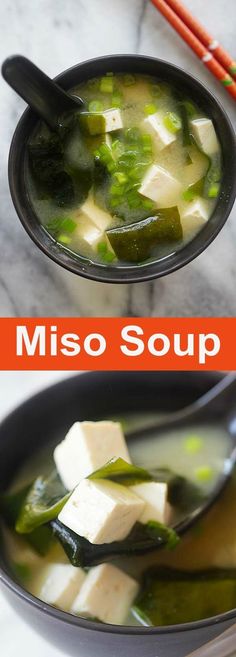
(127, 273)
(44, 418)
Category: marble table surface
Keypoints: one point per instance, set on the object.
(16, 387)
(56, 36)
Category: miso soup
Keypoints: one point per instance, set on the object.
(130, 178)
(96, 536)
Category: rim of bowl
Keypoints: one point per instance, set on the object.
(132, 273)
(68, 618)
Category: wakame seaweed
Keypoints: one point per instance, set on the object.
(142, 539)
(169, 596)
(11, 504)
(44, 501)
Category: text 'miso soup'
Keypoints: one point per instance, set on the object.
(129, 179)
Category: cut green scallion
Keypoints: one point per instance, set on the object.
(64, 239)
(172, 122)
(204, 473)
(120, 177)
(96, 106)
(213, 191)
(117, 101)
(107, 85)
(150, 109)
(193, 444)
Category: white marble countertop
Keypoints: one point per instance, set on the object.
(57, 35)
(16, 387)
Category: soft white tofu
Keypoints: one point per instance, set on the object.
(154, 126)
(195, 215)
(60, 584)
(113, 120)
(204, 132)
(101, 511)
(154, 494)
(107, 594)
(91, 235)
(160, 186)
(87, 447)
(92, 213)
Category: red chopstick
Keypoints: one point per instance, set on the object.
(201, 33)
(197, 46)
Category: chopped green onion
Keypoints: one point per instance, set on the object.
(64, 239)
(95, 106)
(120, 177)
(109, 256)
(102, 248)
(117, 190)
(150, 109)
(193, 444)
(61, 225)
(213, 191)
(146, 143)
(137, 172)
(172, 122)
(106, 85)
(104, 252)
(129, 80)
(68, 225)
(204, 473)
(116, 100)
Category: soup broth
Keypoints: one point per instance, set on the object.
(132, 177)
(200, 572)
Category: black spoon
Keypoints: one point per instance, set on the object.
(43, 95)
(217, 407)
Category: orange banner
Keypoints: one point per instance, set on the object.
(117, 344)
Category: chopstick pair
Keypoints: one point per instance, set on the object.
(221, 65)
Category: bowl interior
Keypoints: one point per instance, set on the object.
(44, 418)
(127, 273)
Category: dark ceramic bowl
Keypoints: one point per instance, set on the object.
(44, 418)
(127, 273)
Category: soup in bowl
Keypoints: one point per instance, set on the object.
(90, 519)
(136, 183)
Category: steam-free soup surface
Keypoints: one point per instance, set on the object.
(205, 556)
(131, 178)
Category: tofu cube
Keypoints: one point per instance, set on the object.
(154, 494)
(107, 594)
(98, 123)
(87, 447)
(101, 511)
(113, 120)
(91, 235)
(92, 213)
(60, 584)
(154, 126)
(160, 186)
(204, 132)
(195, 215)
